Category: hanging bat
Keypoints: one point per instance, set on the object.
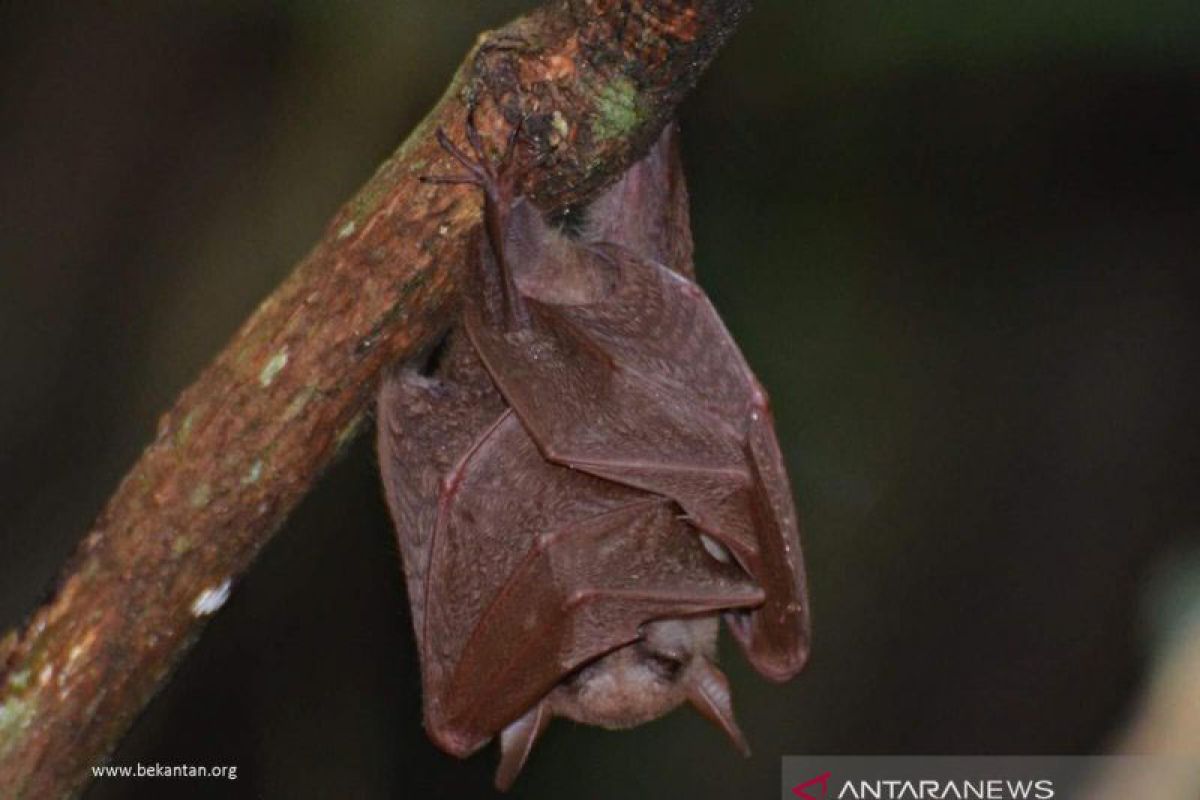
(587, 478)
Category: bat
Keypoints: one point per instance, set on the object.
(584, 477)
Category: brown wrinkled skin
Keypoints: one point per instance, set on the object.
(244, 443)
(600, 482)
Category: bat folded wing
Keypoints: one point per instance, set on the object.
(534, 580)
(646, 388)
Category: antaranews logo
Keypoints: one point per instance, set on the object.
(924, 789)
(940, 777)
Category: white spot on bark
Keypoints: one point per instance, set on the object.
(211, 599)
(254, 473)
(346, 230)
(273, 367)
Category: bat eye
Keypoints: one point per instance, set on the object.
(664, 666)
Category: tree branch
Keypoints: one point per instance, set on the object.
(595, 80)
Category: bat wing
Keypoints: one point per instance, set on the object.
(425, 423)
(534, 570)
(645, 387)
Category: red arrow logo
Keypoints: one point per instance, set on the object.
(822, 779)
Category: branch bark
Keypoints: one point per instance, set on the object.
(594, 80)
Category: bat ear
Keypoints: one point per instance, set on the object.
(708, 690)
(516, 743)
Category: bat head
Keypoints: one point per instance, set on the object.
(670, 664)
(641, 681)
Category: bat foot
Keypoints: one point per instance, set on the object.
(497, 179)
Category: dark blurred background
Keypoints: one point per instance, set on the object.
(957, 241)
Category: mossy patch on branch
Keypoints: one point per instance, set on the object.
(618, 109)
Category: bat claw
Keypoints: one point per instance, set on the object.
(449, 180)
(510, 147)
(473, 135)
